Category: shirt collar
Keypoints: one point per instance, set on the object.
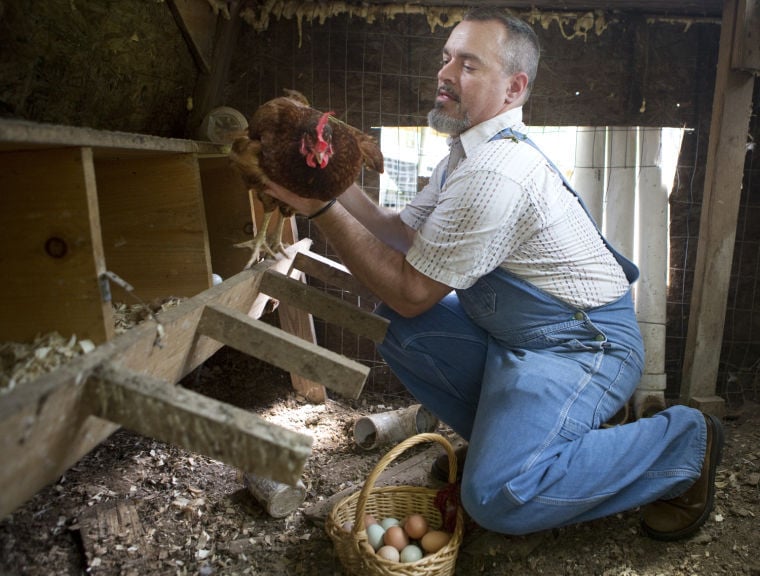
(482, 132)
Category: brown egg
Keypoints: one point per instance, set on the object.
(389, 553)
(434, 541)
(416, 526)
(396, 537)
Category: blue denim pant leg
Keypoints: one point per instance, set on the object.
(553, 464)
(439, 356)
(539, 455)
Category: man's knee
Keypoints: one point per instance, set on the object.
(497, 513)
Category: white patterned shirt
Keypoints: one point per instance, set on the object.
(504, 205)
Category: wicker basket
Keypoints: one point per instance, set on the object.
(352, 547)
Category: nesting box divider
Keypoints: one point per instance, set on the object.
(228, 214)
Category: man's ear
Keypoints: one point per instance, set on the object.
(517, 87)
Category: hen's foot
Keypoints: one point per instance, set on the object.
(259, 243)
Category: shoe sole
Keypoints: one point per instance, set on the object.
(716, 455)
(440, 471)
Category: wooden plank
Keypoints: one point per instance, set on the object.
(746, 48)
(210, 87)
(228, 217)
(197, 22)
(23, 134)
(299, 323)
(153, 225)
(732, 106)
(173, 414)
(292, 319)
(330, 272)
(52, 254)
(283, 350)
(325, 306)
(115, 540)
(45, 426)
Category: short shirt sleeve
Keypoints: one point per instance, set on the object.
(480, 216)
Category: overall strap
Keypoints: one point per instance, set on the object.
(630, 269)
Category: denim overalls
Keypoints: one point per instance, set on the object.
(530, 381)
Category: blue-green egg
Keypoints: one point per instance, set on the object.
(388, 522)
(375, 534)
(410, 553)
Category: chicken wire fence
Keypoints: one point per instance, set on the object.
(381, 77)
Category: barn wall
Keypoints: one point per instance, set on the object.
(124, 65)
(633, 71)
(110, 64)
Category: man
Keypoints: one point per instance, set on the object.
(511, 316)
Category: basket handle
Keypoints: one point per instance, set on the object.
(383, 463)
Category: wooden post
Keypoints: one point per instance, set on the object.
(732, 105)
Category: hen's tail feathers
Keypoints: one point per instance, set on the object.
(371, 153)
(373, 156)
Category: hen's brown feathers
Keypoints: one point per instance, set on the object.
(280, 145)
(272, 150)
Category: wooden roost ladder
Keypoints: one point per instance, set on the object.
(130, 380)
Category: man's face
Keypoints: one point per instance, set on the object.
(472, 84)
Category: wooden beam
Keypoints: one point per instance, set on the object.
(330, 272)
(746, 48)
(23, 134)
(283, 350)
(173, 414)
(210, 87)
(197, 22)
(727, 150)
(324, 305)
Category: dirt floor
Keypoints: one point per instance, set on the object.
(136, 506)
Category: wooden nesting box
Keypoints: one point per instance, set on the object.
(77, 202)
(90, 217)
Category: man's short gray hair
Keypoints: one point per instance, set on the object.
(521, 49)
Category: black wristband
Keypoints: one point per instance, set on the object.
(322, 210)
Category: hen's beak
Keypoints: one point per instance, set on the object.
(322, 158)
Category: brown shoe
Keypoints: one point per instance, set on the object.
(682, 516)
(440, 468)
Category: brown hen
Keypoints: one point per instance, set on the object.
(309, 152)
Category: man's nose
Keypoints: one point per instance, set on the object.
(445, 72)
